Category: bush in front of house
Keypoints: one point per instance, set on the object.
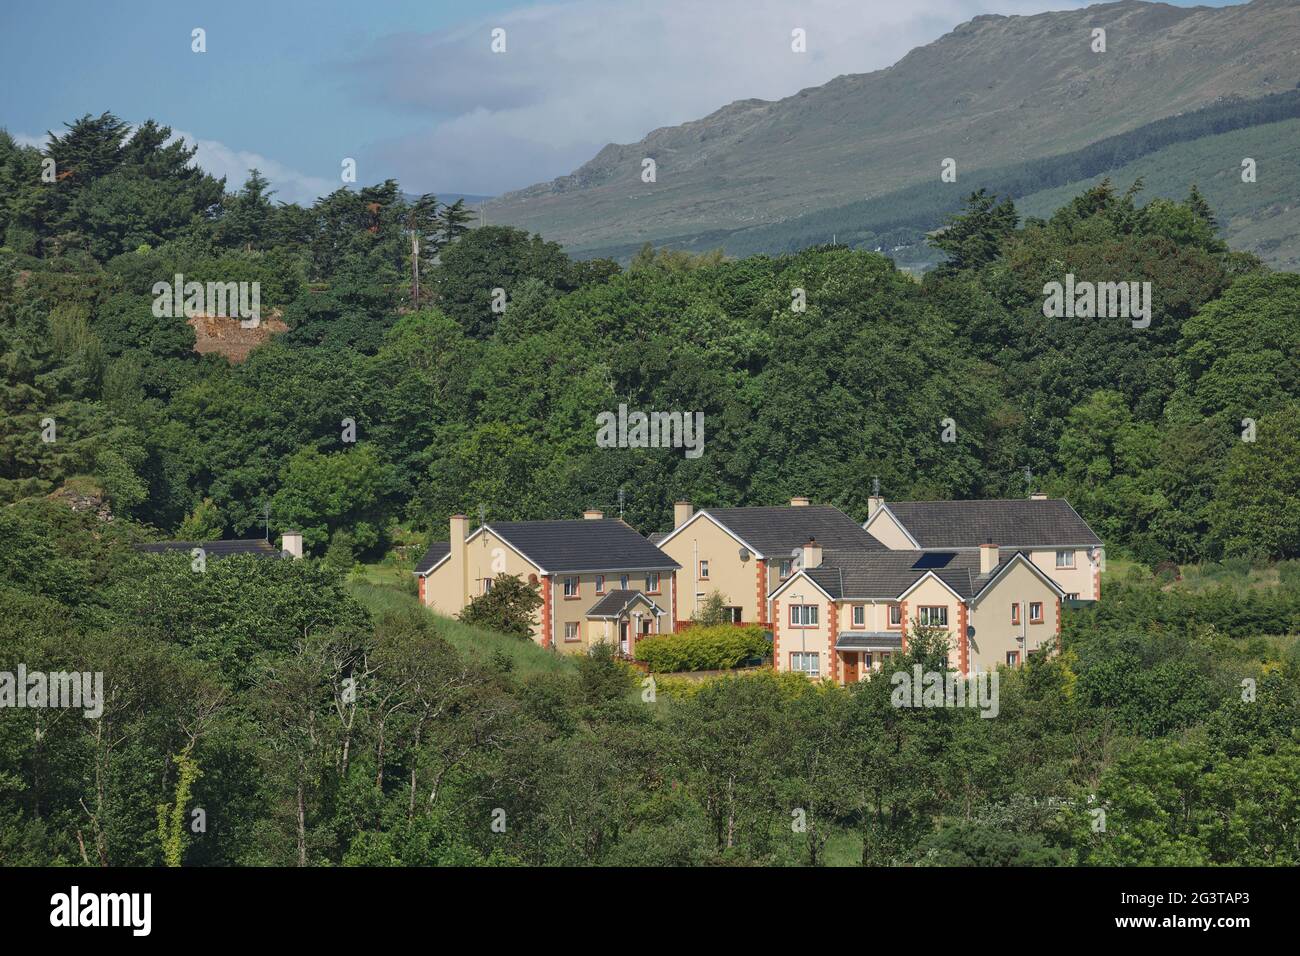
(703, 648)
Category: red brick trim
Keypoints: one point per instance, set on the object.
(424, 586)
(902, 624)
(776, 635)
(674, 619)
(963, 643)
(762, 590)
(546, 610)
(832, 611)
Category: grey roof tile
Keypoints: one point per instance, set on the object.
(778, 530)
(1007, 522)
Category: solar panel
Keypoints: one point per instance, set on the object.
(934, 559)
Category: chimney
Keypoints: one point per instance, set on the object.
(291, 541)
(799, 501)
(874, 504)
(593, 514)
(812, 554)
(1038, 496)
(458, 531)
(988, 557)
(682, 512)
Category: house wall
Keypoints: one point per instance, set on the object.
(574, 610)
(487, 556)
(995, 635)
(817, 639)
(886, 530)
(735, 580)
(1080, 579)
(932, 593)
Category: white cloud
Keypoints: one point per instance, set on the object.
(23, 139)
(579, 74)
(218, 159)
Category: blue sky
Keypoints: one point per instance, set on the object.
(410, 89)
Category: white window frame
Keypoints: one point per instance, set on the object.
(577, 632)
(577, 587)
(649, 588)
(859, 612)
(803, 615)
(704, 569)
(1068, 564)
(921, 615)
(806, 662)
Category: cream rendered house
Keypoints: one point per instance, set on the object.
(742, 553)
(600, 581)
(1052, 534)
(844, 613)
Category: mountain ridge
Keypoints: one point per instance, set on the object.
(994, 91)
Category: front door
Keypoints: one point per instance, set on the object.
(622, 636)
(851, 667)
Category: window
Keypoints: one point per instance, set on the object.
(652, 582)
(1065, 559)
(487, 585)
(704, 570)
(1072, 596)
(866, 660)
(1035, 612)
(571, 588)
(571, 631)
(895, 615)
(732, 614)
(784, 567)
(803, 615)
(1013, 658)
(600, 584)
(859, 615)
(805, 663)
(622, 582)
(933, 616)
(1015, 614)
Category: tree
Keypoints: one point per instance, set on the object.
(974, 238)
(508, 607)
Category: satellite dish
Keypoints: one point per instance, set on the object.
(744, 554)
(970, 630)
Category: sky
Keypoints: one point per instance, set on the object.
(411, 89)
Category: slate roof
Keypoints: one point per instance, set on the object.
(868, 640)
(1007, 522)
(617, 601)
(584, 544)
(883, 576)
(215, 550)
(437, 551)
(778, 530)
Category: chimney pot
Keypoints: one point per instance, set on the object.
(1038, 496)
(593, 514)
(799, 501)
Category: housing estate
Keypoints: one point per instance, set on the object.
(839, 597)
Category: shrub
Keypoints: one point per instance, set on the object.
(703, 648)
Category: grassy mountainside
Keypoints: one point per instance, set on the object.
(992, 93)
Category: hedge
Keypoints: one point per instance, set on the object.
(703, 648)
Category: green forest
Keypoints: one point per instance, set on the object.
(316, 715)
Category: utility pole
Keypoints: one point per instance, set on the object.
(266, 514)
